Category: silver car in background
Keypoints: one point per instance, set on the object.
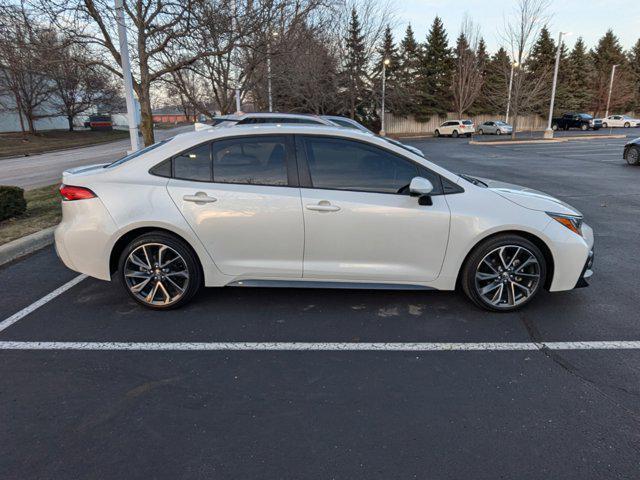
(495, 127)
(350, 123)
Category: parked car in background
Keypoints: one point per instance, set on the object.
(624, 121)
(494, 127)
(312, 206)
(632, 152)
(99, 122)
(455, 128)
(583, 121)
(353, 124)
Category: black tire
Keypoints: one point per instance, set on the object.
(605, 125)
(455, 134)
(480, 132)
(473, 263)
(627, 125)
(554, 127)
(633, 156)
(436, 133)
(584, 127)
(498, 132)
(187, 262)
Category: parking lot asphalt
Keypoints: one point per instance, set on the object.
(116, 413)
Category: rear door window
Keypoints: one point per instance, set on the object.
(260, 160)
(194, 164)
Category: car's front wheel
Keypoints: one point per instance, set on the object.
(627, 125)
(504, 273)
(159, 271)
(605, 125)
(633, 156)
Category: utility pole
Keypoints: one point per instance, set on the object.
(514, 65)
(234, 55)
(384, 86)
(613, 72)
(271, 35)
(126, 74)
(548, 133)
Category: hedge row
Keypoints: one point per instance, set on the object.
(12, 202)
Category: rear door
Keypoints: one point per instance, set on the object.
(240, 196)
(361, 224)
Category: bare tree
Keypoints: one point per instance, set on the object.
(468, 74)
(78, 84)
(520, 33)
(25, 53)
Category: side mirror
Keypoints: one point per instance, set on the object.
(421, 187)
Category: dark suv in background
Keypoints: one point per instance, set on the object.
(583, 121)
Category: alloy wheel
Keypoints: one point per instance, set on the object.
(633, 156)
(507, 276)
(156, 274)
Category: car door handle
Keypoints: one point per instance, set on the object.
(200, 198)
(323, 206)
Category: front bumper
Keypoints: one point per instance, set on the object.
(587, 272)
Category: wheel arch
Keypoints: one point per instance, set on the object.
(129, 236)
(536, 240)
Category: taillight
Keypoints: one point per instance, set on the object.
(69, 192)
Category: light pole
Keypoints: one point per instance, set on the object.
(126, 75)
(613, 72)
(385, 62)
(234, 55)
(274, 34)
(548, 133)
(514, 65)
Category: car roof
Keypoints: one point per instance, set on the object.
(242, 116)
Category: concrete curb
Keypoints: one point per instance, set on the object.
(542, 141)
(26, 245)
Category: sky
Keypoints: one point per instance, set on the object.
(587, 18)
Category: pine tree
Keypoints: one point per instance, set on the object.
(578, 79)
(484, 61)
(543, 54)
(354, 73)
(407, 74)
(496, 84)
(634, 67)
(435, 73)
(387, 51)
(607, 53)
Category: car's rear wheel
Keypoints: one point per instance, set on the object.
(584, 127)
(627, 125)
(480, 132)
(504, 273)
(436, 133)
(605, 125)
(633, 156)
(554, 127)
(498, 132)
(455, 134)
(159, 271)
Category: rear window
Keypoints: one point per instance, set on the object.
(467, 122)
(136, 154)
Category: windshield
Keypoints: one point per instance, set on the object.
(133, 155)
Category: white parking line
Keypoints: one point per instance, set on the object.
(6, 323)
(303, 346)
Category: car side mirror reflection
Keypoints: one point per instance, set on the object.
(421, 187)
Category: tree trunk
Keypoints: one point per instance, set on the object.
(70, 120)
(31, 123)
(146, 117)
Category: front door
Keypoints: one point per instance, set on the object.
(235, 194)
(360, 222)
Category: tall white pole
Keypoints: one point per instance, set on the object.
(548, 133)
(234, 25)
(128, 81)
(506, 118)
(385, 62)
(613, 72)
(269, 75)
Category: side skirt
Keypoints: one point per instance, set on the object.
(322, 284)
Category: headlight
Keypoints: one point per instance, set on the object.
(572, 222)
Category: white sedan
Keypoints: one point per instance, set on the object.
(305, 206)
(620, 121)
